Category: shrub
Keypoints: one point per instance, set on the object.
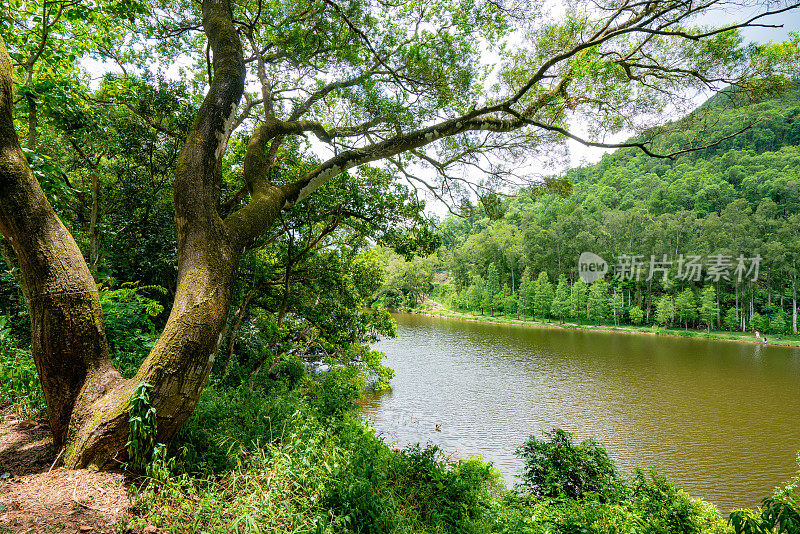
(780, 513)
(777, 323)
(731, 319)
(663, 507)
(557, 468)
(448, 496)
(334, 393)
(19, 381)
(129, 320)
(142, 434)
(282, 371)
(361, 492)
(759, 323)
(380, 489)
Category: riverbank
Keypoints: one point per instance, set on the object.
(435, 309)
(712, 416)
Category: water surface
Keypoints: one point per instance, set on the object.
(721, 419)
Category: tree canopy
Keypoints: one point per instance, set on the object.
(272, 103)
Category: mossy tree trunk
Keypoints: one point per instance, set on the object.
(67, 334)
(86, 396)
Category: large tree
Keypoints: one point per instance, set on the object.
(393, 82)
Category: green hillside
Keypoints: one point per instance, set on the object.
(727, 204)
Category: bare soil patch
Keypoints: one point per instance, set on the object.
(36, 498)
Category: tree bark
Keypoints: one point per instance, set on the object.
(87, 398)
(68, 339)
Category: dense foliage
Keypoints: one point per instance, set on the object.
(652, 220)
(557, 468)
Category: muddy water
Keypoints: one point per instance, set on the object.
(721, 419)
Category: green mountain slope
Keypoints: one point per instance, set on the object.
(738, 199)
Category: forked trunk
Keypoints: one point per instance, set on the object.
(177, 367)
(87, 398)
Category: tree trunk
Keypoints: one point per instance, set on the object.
(68, 339)
(208, 253)
(86, 396)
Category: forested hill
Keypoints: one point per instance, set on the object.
(759, 164)
(738, 198)
(750, 165)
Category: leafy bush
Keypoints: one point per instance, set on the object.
(780, 513)
(452, 497)
(360, 490)
(278, 372)
(663, 507)
(19, 381)
(334, 393)
(557, 468)
(381, 488)
(577, 490)
(636, 315)
(129, 318)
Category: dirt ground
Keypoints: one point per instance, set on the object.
(37, 497)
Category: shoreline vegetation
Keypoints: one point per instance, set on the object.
(434, 309)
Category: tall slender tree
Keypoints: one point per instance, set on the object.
(597, 301)
(580, 291)
(708, 306)
(686, 307)
(561, 299)
(544, 295)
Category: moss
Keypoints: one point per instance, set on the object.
(5, 65)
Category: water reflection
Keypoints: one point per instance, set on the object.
(719, 418)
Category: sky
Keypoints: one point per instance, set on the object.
(580, 154)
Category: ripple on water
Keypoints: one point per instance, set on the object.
(717, 417)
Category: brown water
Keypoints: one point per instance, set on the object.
(721, 419)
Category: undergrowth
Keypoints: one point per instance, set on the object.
(296, 457)
(301, 460)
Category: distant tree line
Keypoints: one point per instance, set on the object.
(738, 199)
(598, 302)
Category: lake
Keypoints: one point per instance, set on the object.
(721, 419)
